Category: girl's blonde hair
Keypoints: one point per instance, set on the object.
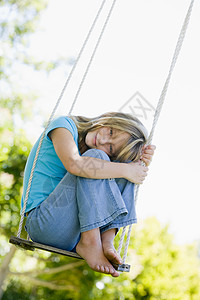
(131, 149)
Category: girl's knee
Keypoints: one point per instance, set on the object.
(97, 153)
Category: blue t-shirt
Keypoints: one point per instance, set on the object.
(49, 169)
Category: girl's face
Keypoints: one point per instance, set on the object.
(108, 139)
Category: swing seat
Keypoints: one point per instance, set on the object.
(29, 245)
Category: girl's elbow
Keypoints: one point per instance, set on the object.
(73, 167)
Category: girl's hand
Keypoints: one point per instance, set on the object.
(136, 172)
(147, 154)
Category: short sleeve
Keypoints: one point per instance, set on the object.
(64, 122)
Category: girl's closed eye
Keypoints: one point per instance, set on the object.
(111, 149)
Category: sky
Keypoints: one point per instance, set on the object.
(128, 73)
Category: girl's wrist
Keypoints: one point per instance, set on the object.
(124, 170)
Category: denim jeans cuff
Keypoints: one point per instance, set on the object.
(108, 220)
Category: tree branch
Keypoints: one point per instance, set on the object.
(49, 271)
(50, 285)
(4, 270)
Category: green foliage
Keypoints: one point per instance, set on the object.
(12, 164)
(27, 270)
(19, 19)
(15, 290)
(160, 269)
(165, 270)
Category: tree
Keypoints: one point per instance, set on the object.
(19, 21)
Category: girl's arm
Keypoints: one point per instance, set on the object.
(90, 167)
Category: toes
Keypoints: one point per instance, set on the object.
(97, 268)
(106, 270)
(112, 271)
(115, 274)
(102, 269)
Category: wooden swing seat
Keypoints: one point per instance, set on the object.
(29, 245)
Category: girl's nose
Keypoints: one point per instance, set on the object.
(104, 139)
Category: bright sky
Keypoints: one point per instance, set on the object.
(135, 56)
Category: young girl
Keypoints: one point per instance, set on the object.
(82, 190)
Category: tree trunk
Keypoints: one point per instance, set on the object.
(5, 268)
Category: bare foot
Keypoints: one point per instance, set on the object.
(92, 252)
(109, 250)
(111, 253)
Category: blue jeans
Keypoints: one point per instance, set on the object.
(80, 204)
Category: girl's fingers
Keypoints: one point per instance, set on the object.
(147, 162)
(153, 147)
(146, 159)
(147, 154)
(149, 147)
(148, 151)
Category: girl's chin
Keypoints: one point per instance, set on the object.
(89, 144)
(90, 140)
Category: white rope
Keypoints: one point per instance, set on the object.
(61, 96)
(121, 240)
(127, 244)
(159, 106)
